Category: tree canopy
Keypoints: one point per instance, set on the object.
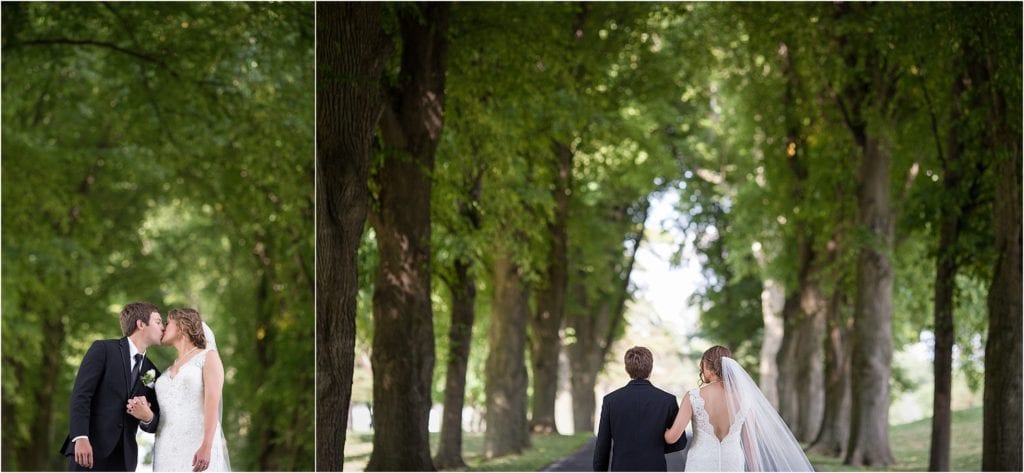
(164, 153)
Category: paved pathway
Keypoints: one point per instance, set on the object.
(583, 460)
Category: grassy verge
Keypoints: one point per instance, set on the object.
(910, 444)
(545, 449)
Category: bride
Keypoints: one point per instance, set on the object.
(189, 437)
(734, 427)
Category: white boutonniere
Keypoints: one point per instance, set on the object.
(148, 378)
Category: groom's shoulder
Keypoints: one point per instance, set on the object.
(616, 393)
(665, 394)
(107, 344)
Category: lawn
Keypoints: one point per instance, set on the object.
(545, 449)
(910, 443)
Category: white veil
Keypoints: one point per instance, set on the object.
(768, 444)
(211, 341)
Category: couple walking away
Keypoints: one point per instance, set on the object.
(734, 427)
(117, 390)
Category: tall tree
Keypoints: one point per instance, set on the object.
(546, 322)
(801, 397)
(462, 286)
(350, 65)
(960, 196)
(869, 96)
(403, 336)
(1002, 423)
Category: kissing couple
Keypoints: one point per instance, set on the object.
(734, 426)
(118, 389)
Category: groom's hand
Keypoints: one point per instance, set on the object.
(139, 408)
(83, 453)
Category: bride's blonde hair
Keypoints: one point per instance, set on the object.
(712, 360)
(191, 324)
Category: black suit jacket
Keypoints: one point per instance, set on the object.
(100, 397)
(633, 423)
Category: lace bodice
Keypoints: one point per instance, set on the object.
(707, 453)
(180, 432)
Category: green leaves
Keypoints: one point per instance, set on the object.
(162, 153)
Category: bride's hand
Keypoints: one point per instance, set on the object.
(138, 407)
(201, 460)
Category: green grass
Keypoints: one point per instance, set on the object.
(544, 450)
(910, 444)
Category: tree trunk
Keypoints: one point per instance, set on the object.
(460, 341)
(586, 356)
(347, 115)
(789, 398)
(1002, 442)
(507, 429)
(945, 284)
(834, 434)
(801, 383)
(870, 93)
(545, 341)
(403, 336)
(946, 267)
(1001, 446)
(872, 323)
(801, 377)
(34, 457)
(772, 300)
(810, 378)
(460, 334)
(585, 367)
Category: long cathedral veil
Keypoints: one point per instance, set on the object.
(768, 444)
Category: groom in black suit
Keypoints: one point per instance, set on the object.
(102, 433)
(634, 419)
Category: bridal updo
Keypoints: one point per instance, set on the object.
(712, 361)
(190, 324)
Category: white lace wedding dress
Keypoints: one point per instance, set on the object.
(757, 440)
(180, 432)
(707, 452)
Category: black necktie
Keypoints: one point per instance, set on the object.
(138, 365)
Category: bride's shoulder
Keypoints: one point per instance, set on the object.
(709, 390)
(211, 356)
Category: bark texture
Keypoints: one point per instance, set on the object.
(403, 335)
(507, 429)
(349, 106)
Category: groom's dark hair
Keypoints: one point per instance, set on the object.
(133, 312)
(639, 362)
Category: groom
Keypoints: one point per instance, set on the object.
(102, 433)
(634, 419)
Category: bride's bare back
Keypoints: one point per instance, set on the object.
(717, 409)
